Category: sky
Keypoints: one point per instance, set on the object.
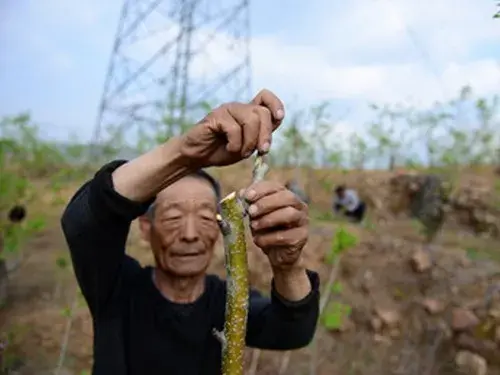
(54, 55)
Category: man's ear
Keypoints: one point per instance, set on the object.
(145, 228)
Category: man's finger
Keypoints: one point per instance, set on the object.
(265, 130)
(233, 133)
(248, 119)
(251, 126)
(286, 217)
(273, 202)
(267, 99)
(261, 189)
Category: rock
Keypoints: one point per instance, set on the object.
(463, 319)
(390, 317)
(470, 363)
(484, 348)
(368, 281)
(433, 306)
(421, 261)
(376, 324)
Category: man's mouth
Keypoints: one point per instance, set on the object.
(188, 254)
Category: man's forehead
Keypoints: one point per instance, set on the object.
(183, 204)
(189, 190)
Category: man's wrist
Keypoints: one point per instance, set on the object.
(292, 283)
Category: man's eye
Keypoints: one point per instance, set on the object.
(208, 217)
(172, 218)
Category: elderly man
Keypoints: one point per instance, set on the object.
(159, 320)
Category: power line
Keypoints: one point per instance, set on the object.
(424, 54)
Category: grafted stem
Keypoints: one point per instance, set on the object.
(233, 337)
(236, 264)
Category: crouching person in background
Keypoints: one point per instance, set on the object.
(348, 202)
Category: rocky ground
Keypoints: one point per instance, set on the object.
(413, 309)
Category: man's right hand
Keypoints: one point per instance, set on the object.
(233, 131)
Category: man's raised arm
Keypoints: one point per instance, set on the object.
(97, 220)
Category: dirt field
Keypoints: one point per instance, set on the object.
(410, 310)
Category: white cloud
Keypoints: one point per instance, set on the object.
(373, 51)
(447, 29)
(383, 51)
(441, 40)
(362, 51)
(306, 72)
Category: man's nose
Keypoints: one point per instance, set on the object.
(190, 229)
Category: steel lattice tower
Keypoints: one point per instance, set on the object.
(168, 57)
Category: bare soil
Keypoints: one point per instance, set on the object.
(376, 275)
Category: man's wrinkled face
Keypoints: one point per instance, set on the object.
(184, 228)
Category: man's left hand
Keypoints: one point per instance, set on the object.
(279, 223)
